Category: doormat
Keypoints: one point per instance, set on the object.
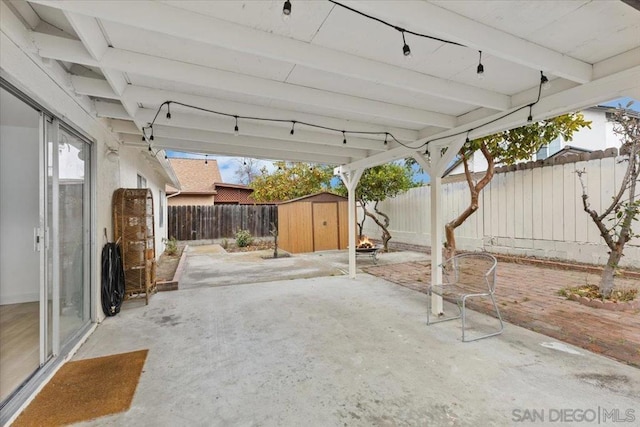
(86, 389)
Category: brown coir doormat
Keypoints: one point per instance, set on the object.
(86, 389)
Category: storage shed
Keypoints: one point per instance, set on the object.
(318, 222)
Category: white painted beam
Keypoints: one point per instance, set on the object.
(206, 29)
(574, 99)
(93, 87)
(235, 150)
(94, 40)
(124, 126)
(111, 110)
(253, 142)
(178, 71)
(442, 23)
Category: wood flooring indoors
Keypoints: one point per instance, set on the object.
(19, 344)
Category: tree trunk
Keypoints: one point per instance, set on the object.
(475, 189)
(386, 236)
(606, 281)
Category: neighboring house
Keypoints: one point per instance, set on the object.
(197, 179)
(233, 194)
(202, 185)
(599, 137)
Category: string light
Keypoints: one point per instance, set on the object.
(344, 132)
(388, 135)
(286, 10)
(406, 50)
(206, 159)
(168, 113)
(480, 69)
(544, 81)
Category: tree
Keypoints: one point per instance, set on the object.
(625, 205)
(507, 148)
(376, 185)
(247, 170)
(289, 181)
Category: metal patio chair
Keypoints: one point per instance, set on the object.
(466, 276)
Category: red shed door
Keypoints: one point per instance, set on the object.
(325, 226)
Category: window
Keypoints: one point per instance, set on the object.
(142, 181)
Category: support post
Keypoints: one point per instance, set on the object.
(351, 179)
(436, 241)
(433, 166)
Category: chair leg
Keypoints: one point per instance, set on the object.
(495, 306)
(444, 319)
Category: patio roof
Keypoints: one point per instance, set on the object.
(329, 66)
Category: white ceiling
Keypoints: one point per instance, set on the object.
(329, 66)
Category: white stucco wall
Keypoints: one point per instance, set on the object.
(47, 83)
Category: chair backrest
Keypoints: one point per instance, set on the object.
(475, 271)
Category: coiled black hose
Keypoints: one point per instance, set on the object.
(112, 279)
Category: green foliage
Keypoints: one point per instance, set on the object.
(170, 246)
(289, 181)
(243, 238)
(381, 182)
(522, 143)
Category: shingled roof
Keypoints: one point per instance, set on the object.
(196, 176)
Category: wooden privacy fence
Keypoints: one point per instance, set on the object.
(220, 221)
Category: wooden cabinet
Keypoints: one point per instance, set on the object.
(133, 225)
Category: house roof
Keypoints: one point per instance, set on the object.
(196, 176)
(569, 150)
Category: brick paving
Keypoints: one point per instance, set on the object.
(527, 296)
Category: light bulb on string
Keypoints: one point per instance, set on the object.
(286, 10)
(168, 112)
(544, 81)
(206, 159)
(236, 130)
(406, 50)
(293, 124)
(480, 69)
(344, 137)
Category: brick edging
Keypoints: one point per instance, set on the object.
(174, 284)
(561, 265)
(607, 305)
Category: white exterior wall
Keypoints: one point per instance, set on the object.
(532, 212)
(136, 161)
(46, 83)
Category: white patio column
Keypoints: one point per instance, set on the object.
(351, 179)
(436, 240)
(433, 167)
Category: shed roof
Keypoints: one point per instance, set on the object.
(322, 196)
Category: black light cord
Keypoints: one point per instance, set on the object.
(543, 79)
(395, 27)
(148, 136)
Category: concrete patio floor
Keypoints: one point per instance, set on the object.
(335, 351)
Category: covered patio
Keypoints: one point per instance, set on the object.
(349, 84)
(353, 84)
(338, 351)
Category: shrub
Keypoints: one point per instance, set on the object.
(170, 246)
(225, 244)
(243, 238)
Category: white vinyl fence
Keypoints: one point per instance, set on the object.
(533, 209)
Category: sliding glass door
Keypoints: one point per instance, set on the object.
(21, 275)
(45, 236)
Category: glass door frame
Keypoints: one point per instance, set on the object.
(46, 241)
